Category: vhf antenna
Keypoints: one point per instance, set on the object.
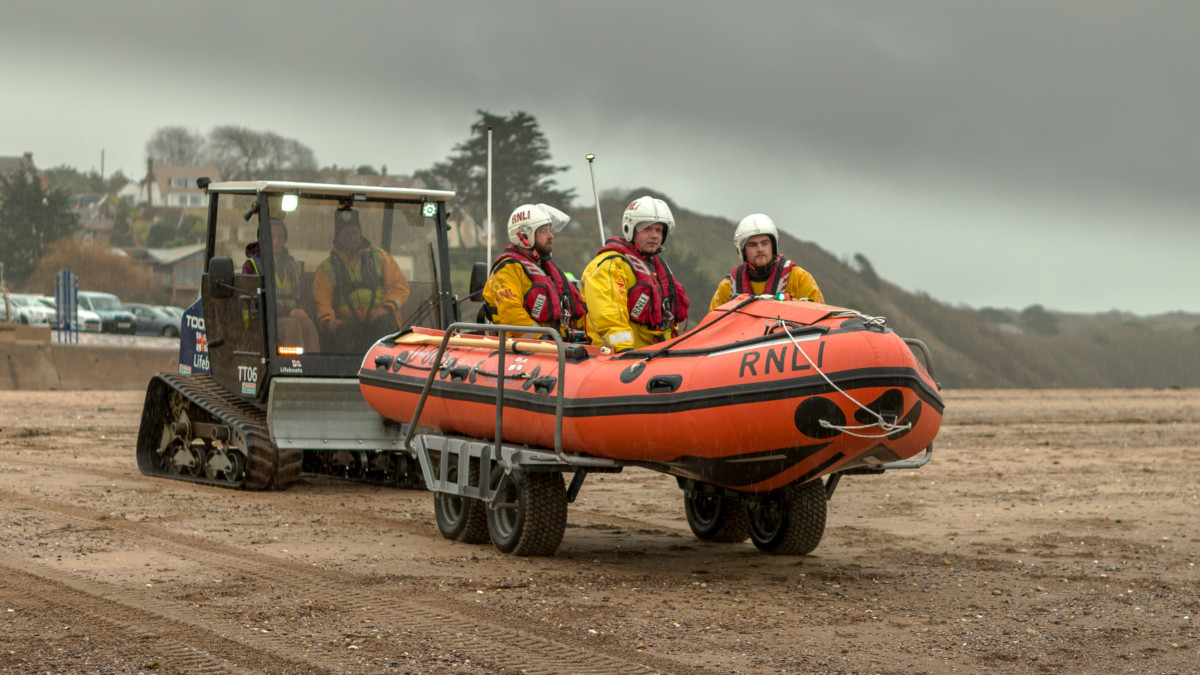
(489, 195)
(591, 169)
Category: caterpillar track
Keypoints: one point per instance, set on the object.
(195, 430)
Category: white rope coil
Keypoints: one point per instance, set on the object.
(888, 428)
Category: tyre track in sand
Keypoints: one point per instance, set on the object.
(508, 644)
(179, 645)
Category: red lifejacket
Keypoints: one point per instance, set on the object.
(552, 299)
(776, 280)
(656, 299)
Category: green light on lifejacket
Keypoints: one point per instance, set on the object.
(429, 209)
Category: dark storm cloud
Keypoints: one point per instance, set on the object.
(849, 120)
(1086, 95)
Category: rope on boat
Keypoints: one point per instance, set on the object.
(889, 428)
(445, 367)
(687, 335)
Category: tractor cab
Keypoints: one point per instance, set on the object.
(300, 279)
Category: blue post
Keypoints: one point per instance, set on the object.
(66, 303)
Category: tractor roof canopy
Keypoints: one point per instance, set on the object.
(292, 187)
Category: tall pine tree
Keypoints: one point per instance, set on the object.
(521, 170)
(31, 218)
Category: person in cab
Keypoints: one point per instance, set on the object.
(525, 287)
(633, 299)
(358, 290)
(763, 269)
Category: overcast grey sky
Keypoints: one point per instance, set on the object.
(988, 153)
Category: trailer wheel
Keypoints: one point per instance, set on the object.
(715, 518)
(528, 515)
(461, 518)
(790, 521)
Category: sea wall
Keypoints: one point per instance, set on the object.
(30, 361)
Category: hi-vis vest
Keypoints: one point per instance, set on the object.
(357, 289)
(656, 300)
(285, 295)
(285, 285)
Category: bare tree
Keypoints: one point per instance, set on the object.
(244, 154)
(175, 146)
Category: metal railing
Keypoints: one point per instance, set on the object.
(503, 346)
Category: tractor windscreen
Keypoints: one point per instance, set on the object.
(346, 271)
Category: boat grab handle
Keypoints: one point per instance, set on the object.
(920, 347)
(663, 384)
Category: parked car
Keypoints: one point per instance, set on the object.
(25, 309)
(114, 318)
(154, 320)
(85, 319)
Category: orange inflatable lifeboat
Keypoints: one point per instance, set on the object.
(762, 394)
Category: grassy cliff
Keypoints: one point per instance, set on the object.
(971, 348)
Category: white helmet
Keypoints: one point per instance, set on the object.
(527, 219)
(646, 210)
(754, 225)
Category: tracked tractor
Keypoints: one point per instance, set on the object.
(267, 386)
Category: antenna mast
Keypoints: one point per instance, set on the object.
(489, 197)
(600, 224)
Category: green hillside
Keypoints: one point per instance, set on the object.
(971, 348)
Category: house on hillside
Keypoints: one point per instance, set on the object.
(174, 186)
(179, 268)
(464, 231)
(9, 164)
(349, 177)
(12, 163)
(95, 215)
(129, 193)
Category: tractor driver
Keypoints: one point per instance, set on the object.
(527, 289)
(763, 269)
(358, 289)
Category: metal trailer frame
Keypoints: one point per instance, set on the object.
(512, 458)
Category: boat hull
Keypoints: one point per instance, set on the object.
(738, 403)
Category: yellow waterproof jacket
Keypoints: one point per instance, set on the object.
(606, 282)
(800, 284)
(384, 285)
(505, 290)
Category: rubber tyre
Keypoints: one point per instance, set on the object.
(170, 331)
(461, 518)
(529, 515)
(790, 521)
(716, 519)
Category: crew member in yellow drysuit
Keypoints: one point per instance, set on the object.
(526, 288)
(763, 270)
(633, 299)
